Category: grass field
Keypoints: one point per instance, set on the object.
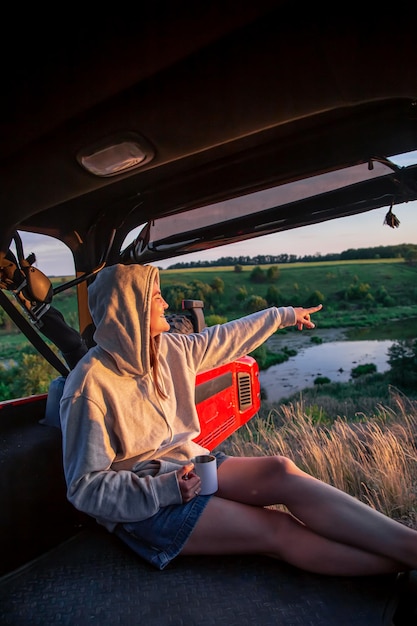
(300, 284)
(300, 279)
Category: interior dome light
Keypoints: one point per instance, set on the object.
(116, 155)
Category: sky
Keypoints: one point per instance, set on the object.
(365, 230)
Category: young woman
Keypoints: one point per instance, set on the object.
(129, 419)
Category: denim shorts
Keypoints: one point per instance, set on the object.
(160, 538)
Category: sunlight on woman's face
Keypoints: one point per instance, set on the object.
(158, 308)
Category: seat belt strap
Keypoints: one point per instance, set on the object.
(35, 339)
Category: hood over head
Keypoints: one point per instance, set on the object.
(120, 305)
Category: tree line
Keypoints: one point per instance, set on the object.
(405, 251)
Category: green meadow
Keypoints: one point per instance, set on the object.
(354, 293)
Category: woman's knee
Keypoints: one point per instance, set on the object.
(280, 467)
(278, 478)
(280, 531)
(261, 480)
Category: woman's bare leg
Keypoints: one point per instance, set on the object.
(330, 522)
(227, 527)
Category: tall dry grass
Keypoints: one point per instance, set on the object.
(372, 458)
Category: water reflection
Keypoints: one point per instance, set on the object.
(395, 330)
(334, 359)
(342, 350)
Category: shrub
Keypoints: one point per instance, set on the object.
(212, 320)
(272, 273)
(357, 291)
(255, 303)
(402, 357)
(241, 294)
(316, 339)
(265, 358)
(274, 296)
(217, 285)
(31, 375)
(257, 275)
(321, 380)
(362, 370)
(315, 298)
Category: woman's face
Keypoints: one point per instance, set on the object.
(158, 308)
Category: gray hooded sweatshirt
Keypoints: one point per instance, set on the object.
(122, 442)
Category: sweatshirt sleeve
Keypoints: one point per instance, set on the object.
(92, 486)
(224, 343)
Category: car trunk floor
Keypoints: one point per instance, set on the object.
(93, 578)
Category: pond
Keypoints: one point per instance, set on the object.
(341, 351)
